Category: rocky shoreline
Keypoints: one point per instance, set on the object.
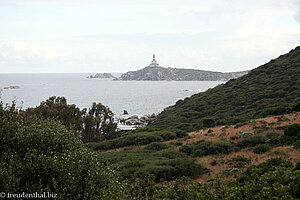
(134, 121)
(12, 87)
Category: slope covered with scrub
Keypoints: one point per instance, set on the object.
(271, 89)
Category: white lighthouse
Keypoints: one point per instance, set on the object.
(154, 63)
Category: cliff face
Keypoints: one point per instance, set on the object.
(175, 74)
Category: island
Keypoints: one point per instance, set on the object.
(102, 75)
(154, 72)
(12, 87)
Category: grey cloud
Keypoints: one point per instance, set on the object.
(163, 38)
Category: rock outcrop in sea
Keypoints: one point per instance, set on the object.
(102, 75)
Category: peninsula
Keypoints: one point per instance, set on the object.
(154, 72)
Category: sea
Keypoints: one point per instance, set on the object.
(136, 97)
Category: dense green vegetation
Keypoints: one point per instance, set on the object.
(260, 144)
(271, 89)
(273, 179)
(166, 164)
(203, 148)
(91, 125)
(43, 156)
(134, 138)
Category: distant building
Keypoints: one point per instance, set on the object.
(154, 63)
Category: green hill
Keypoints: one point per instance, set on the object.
(271, 89)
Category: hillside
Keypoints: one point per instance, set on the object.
(271, 89)
(157, 73)
(224, 151)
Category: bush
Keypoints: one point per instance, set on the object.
(166, 135)
(43, 156)
(142, 139)
(273, 134)
(208, 122)
(280, 110)
(157, 146)
(292, 130)
(181, 134)
(235, 120)
(261, 148)
(269, 165)
(296, 105)
(166, 164)
(297, 144)
(188, 149)
(178, 143)
(251, 141)
(241, 159)
(203, 148)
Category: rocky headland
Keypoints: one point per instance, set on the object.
(154, 72)
(158, 73)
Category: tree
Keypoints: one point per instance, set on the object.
(97, 122)
(56, 108)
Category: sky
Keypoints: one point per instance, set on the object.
(91, 36)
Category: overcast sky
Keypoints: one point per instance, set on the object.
(121, 35)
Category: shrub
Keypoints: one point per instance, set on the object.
(181, 134)
(297, 167)
(251, 141)
(273, 134)
(235, 120)
(208, 122)
(43, 156)
(275, 111)
(292, 130)
(188, 149)
(278, 152)
(166, 164)
(241, 159)
(261, 148)
(297, 144)
(269, 165)
(178, 143)
(172, 154)
(157, 146)
(296, 105)
(203, 148)
(166, 135)
(220, 122)
(142, 139)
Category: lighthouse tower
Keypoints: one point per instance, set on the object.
(154, 63)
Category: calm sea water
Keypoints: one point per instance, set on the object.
(137, 97)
